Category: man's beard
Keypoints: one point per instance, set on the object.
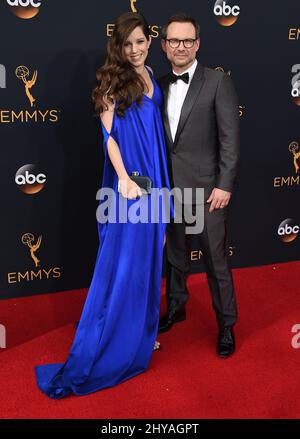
(183, 63)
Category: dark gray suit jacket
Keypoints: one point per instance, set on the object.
(205, 152)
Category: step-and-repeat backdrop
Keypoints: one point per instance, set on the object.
(51, 152)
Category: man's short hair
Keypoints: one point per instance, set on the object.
(181, 17)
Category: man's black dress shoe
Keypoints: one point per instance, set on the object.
(226, 342)
(171, 317)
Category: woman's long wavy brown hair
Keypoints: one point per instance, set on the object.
(117, 80)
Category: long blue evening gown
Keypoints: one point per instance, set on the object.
(117, 330)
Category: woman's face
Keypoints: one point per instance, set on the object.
(136, 48)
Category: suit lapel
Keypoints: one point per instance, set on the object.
(165, 88)
(191, 96)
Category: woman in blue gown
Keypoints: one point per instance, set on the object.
(116, 333)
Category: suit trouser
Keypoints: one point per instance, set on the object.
(214, 246)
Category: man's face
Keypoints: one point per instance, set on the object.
(181, 57)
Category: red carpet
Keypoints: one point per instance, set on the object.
(186, 379)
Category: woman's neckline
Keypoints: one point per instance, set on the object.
(150, 76)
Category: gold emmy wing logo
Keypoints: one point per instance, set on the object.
(294, 149)
(22, 73)
(154, 28)
(133, 8)
(28, 239)
(32, 114)
(37, 273)
(291, 180)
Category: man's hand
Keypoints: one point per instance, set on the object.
(218, 199)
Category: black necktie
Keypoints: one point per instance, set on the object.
(174, 78)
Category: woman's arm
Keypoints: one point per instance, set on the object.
(129, 189)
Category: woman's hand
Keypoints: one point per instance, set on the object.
(129, 189)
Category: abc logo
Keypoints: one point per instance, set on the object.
(24, 8)
(29, 181)
(288, 230)
(225, 14)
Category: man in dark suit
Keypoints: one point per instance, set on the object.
(202, 129)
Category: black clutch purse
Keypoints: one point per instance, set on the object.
(142, 181)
